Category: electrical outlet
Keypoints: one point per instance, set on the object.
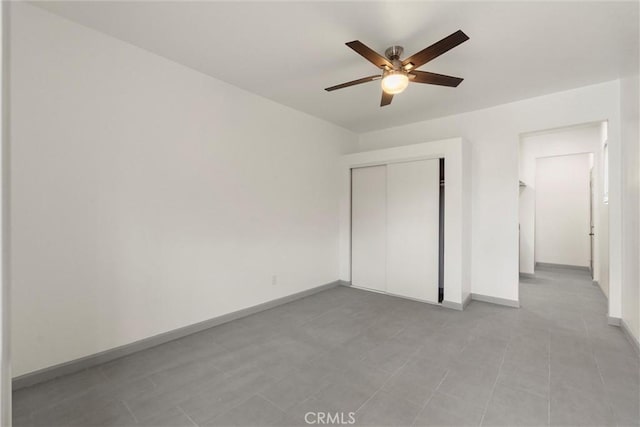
(274, 280)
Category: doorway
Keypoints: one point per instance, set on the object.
(563, 212)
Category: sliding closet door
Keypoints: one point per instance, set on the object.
(413, 190)
(368, 227)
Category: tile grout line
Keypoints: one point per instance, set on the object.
(232, 407)
(187, 415)
(388, 379)
(495, 383)
(62, 401)
(322, 314)
(434, 391)
(413, 422)
(444, 377)
(153, 383)
(106, 378)
(135, 419)
(595, 360)
(453, 396)
(259, 394)
(446, 372)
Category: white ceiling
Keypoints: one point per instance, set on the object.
(290, 51)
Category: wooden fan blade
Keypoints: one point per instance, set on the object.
(436, 49)
(434, 79)
(354, 82)
(369, 54)
(386, 99)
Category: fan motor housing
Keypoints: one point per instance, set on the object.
(394, 52)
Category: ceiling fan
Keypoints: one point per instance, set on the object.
(397, 73)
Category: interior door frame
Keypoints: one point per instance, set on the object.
(591, 223)
(455, 151)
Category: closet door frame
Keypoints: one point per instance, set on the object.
(457, 240)
(373, 164)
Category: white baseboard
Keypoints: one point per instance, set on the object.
(627, 331)
(496, 300)
(613, 321)
(452, 305)
(566, 266)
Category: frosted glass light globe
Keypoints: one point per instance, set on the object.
(395, 82)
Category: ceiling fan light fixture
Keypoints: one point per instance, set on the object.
(395, 82)
(397, 73)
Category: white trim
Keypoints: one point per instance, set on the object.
(445, 304)
(632, 339)
(565, 266)
(457, 259)
(495, 300)
(613, 321)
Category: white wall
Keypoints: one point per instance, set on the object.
(557, 142)
(562, 210)
(147, 196)
(630, 136)
(494, 135)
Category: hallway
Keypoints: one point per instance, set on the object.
(391, 361)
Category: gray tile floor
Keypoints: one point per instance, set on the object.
(555, 361)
